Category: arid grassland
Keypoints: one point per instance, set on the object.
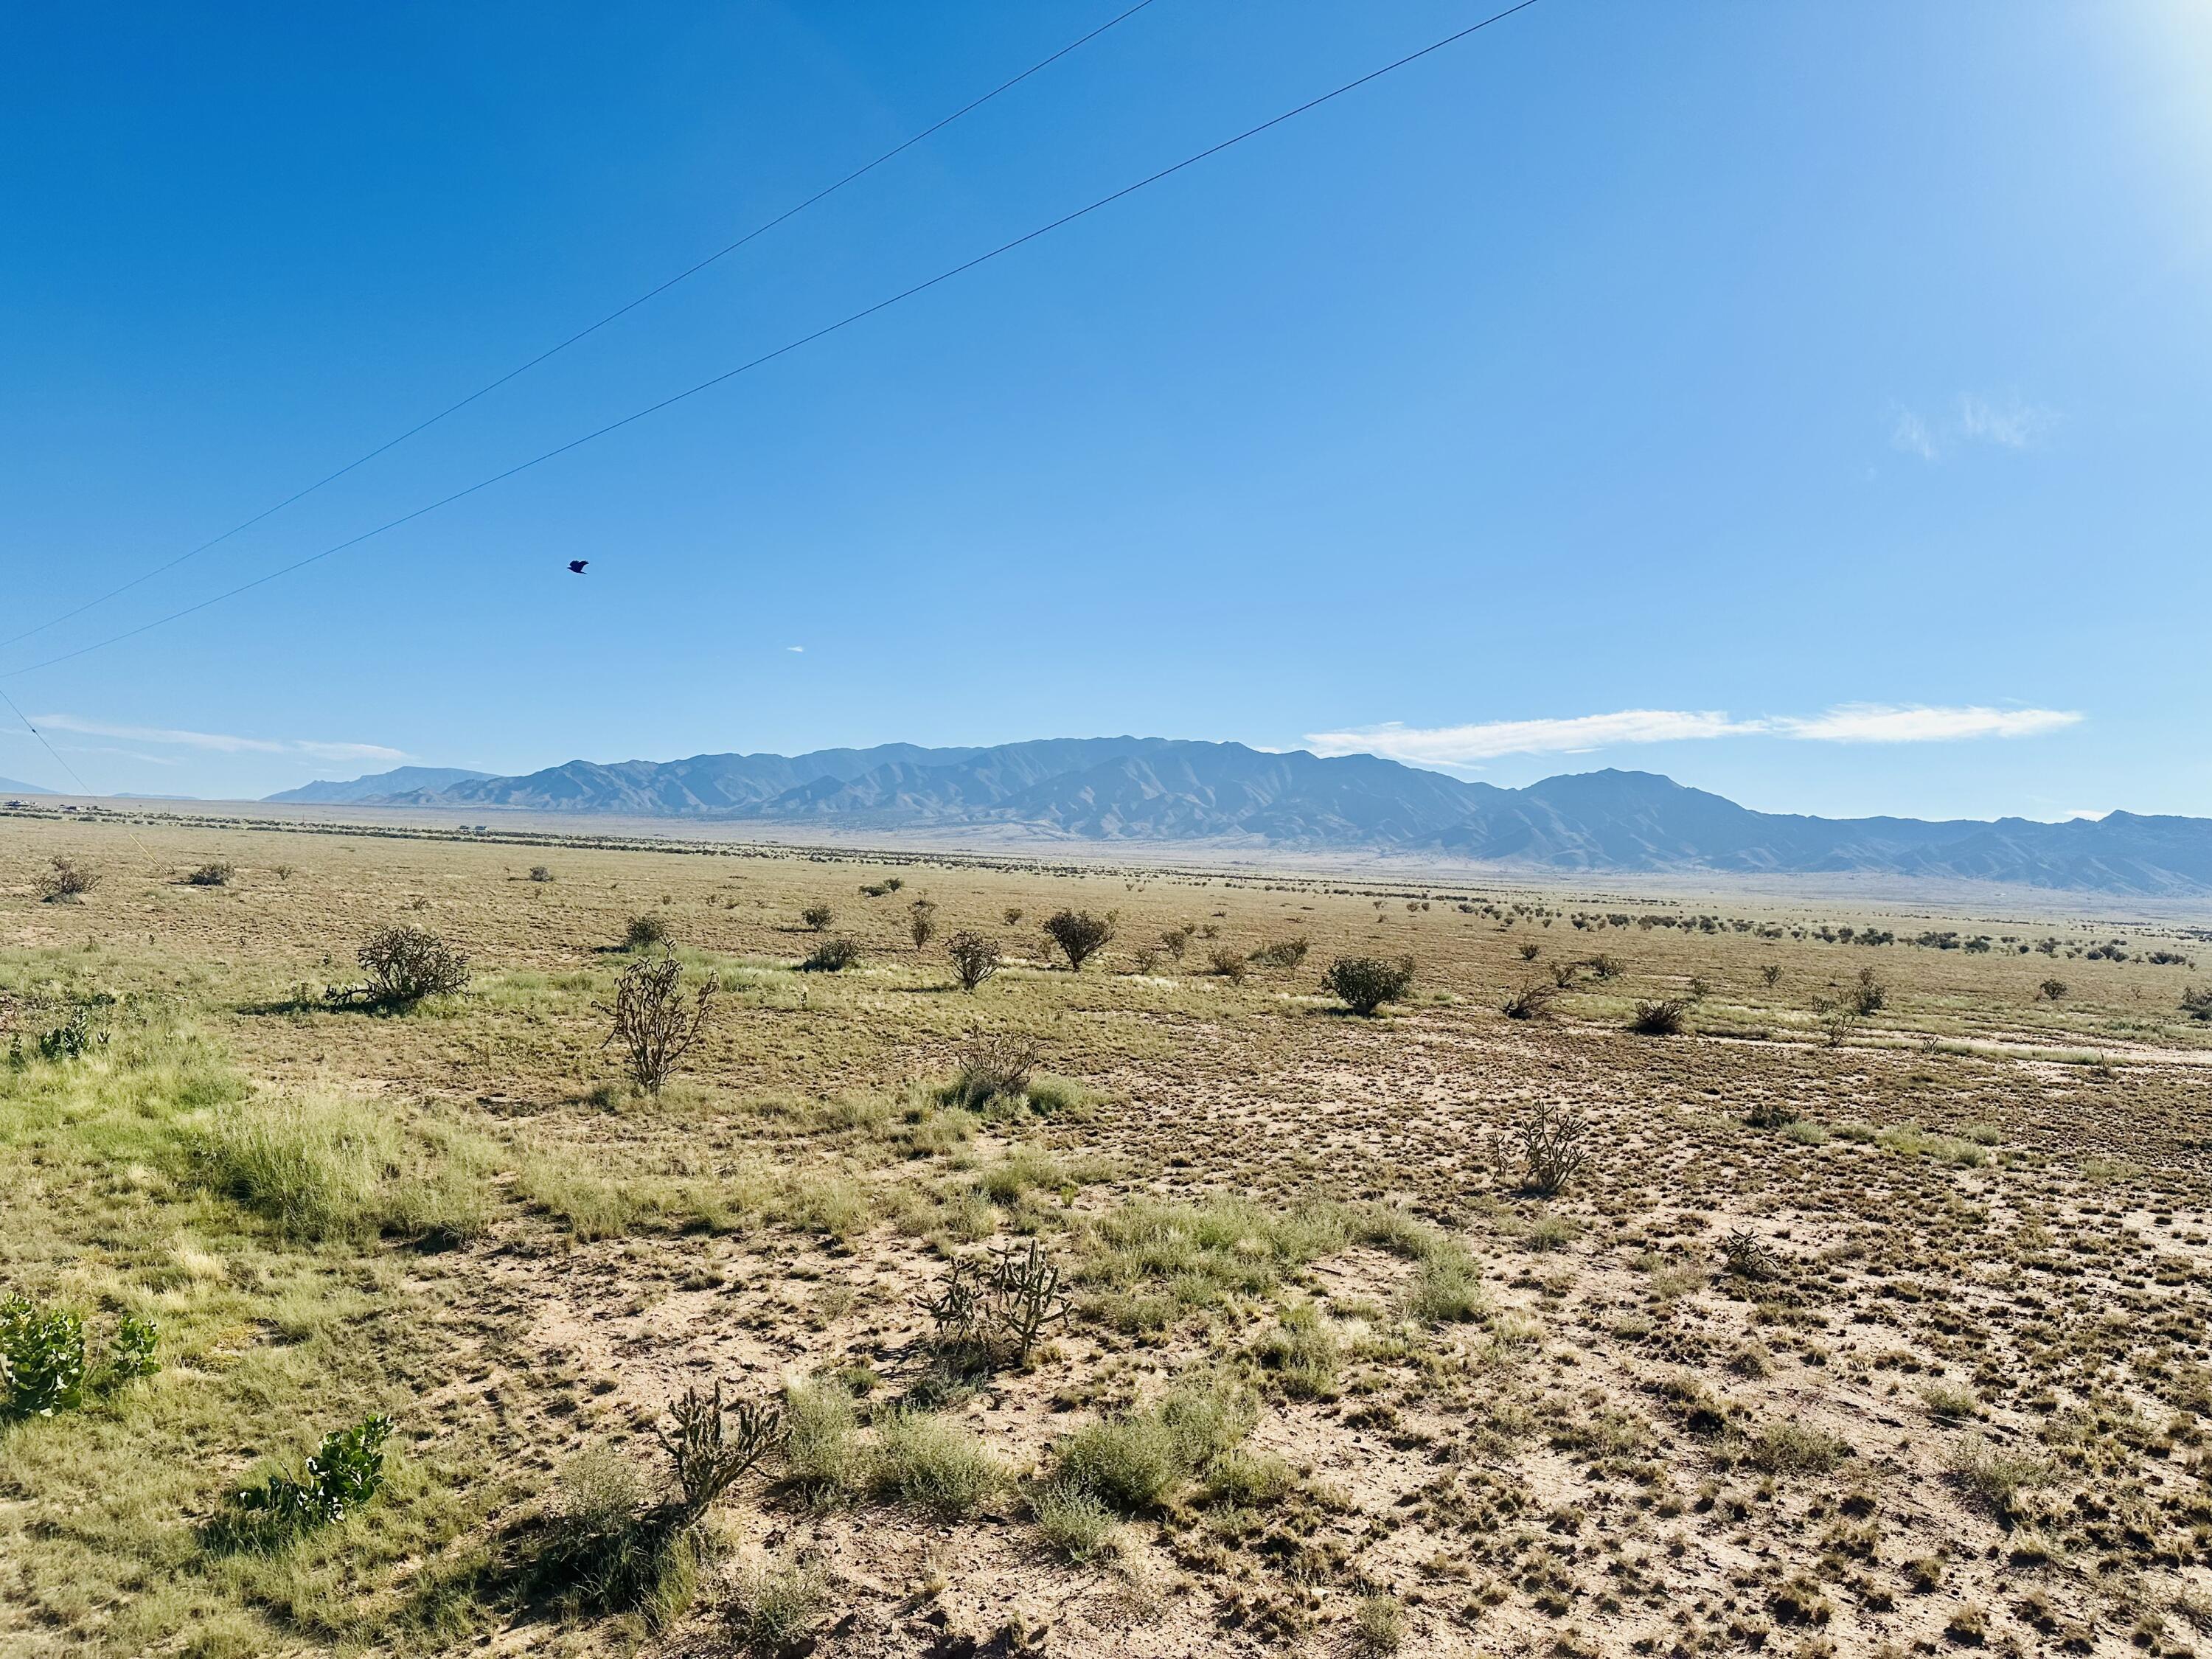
(1855, 1304)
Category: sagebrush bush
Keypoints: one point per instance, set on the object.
(1081, 935)
(832, 956)
(1364, 984)
(66, 880)
(994, 1067)
(817, 917)
(218, 873)
(1662, 1017)
(975, 957)
(1283, 952)
(644, 932)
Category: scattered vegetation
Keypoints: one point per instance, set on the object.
(1364, 984)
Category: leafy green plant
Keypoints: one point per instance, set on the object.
(42, 1360)
(342, 1475)
(73, 1038)
(132, 1351)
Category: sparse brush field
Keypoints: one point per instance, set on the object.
(1642, 1276)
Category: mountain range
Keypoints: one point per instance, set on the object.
(1163, 789)
(17, 786)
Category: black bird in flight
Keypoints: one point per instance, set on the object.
(576, 566)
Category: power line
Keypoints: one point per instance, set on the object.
(653, 293)
(785, 348)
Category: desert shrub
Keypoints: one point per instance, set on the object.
(1603, 966)
(1364, 984)
(922, 922)
(653, 1024)
(1530, 951)
(1012, 915)
(1176, 940)
(1144, 959)
(1790, 1448)
(42, 1358)
(1283, 952)
(1995, 1478)
(1229, 963)
(1532, 1001)
(932, 1463)
(342, 1475)
(777, 1603)
(832, 956)
(405, 964)
(1664, 1017)
(1770, 974)
(1949, 1400)
(1134, 1462)
(541, 873)
(2052, 990)
(1563, 973)
(1771, 1113)
(821, 1435)
(995, 1066)
(1073, 1520)
(1378, 1622)
(1545, 1151)
(817, 917)
(66, 880)
(2197, 1004)
(975, 957)
(646, 931)
(1448, 1289)
(1244, 1477)
(217, 873)
(1302, 1352)
(1081, 935)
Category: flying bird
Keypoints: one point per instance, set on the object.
(576, 566)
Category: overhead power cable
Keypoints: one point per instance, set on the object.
(789, 346)
(554, 350)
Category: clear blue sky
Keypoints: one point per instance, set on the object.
(1796, 380)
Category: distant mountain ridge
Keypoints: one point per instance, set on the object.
(377, 785)
(1166, 789)
(17, 786)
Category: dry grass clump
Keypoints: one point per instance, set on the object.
(1659, 1017)
(1135, 1462)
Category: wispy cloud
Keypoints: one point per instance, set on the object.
(2009, 421)
(800, 648)
(1877, 722)
(1858, 722)
(221, 742)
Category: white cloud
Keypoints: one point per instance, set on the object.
(221, 743)
(2012, 423)
(1875, 722)
(800, 648)
(1911, 435)
(2009, 423)
(1461, 745)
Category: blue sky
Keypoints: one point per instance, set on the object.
(1810, 402)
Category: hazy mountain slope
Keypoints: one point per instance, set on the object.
(17, 787)
(397, 781)
(1161, 789)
